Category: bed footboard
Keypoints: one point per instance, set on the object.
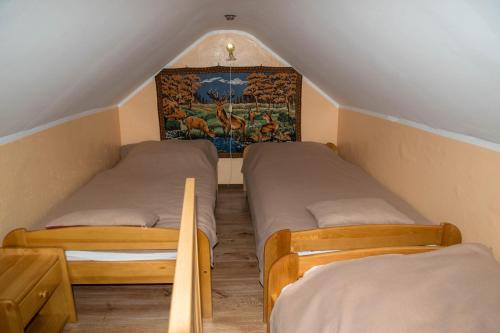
(285, 242)
(292, 267)
(119, 239)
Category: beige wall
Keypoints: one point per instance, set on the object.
(139, 115)
(444, 179)
(38, 171)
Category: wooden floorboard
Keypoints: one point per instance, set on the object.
(237, 294)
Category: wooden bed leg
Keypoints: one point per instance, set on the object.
(451, 235)
(205, 275)
(15, 238)
(277, 246)
(283, 272)
(68, 291)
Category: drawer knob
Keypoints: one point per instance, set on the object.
(43, 294)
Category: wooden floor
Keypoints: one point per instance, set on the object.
(237, 294)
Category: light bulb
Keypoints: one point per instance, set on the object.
(230, 51)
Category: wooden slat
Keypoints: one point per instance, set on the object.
(366, 236)
(121, 272)
(96, 238)
(185, 309)
(197, 302)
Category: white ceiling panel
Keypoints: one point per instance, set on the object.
(436, 63)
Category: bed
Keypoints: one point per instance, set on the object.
(283, 180)
(406, 289)
(149, 179)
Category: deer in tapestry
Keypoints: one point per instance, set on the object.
(231, 122)
(251, 116)
(270, 127)
(193, 122)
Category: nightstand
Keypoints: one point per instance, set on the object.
(35, 292)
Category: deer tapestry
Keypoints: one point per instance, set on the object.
(194, 103)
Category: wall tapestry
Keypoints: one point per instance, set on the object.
(193, 103)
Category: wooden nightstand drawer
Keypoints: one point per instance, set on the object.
(35, 292)
(40, 293)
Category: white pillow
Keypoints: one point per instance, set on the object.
(356, 211)
(106, 217)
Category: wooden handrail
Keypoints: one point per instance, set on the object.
(185, 308)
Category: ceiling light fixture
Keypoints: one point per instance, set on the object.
(230, 50)
(230, 17)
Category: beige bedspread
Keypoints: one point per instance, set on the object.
(151, 176)
(282, 179)
(454, 290)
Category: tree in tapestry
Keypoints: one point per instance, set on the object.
(193, 103)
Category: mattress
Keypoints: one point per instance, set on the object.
(282, 179)
(449, 290)
(72, 255)
(151, 176)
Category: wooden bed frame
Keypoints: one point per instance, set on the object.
(292, 267)
(118, 238)
(285, 242)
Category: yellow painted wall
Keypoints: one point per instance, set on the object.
(139, 115)
(38, 171)
(444, 179)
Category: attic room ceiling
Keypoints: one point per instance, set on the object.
(436, 63)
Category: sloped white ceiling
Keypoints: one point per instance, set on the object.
(436, 63)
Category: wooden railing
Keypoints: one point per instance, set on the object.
(185, 308)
